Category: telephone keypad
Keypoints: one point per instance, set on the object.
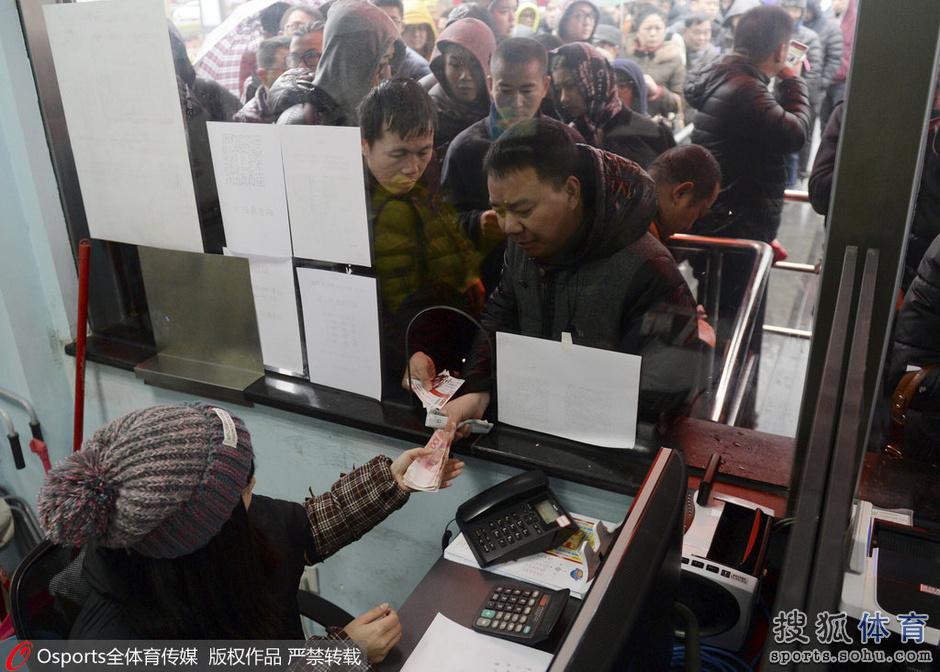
(508, 530)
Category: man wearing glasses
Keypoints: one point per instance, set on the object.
(578, 22)
(407, 62)
(306, 47)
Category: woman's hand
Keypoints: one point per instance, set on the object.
(451, 470)
(380, 630)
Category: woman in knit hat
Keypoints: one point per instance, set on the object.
(177, 547)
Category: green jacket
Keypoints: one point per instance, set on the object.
(418, 247)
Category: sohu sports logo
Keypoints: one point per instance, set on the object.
(18, 656)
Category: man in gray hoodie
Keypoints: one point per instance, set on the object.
(358, 48)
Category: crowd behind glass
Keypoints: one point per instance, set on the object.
(433, 87)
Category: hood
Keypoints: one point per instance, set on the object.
(702, 83)
(356, 36)
(471, 34)
(635, 74)
(595, 79)
(739, 7)
(569, 8)
(416, 13)
(470, 10)
(621, 199)
(532, 7)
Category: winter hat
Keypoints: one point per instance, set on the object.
(161, 480)
(609, 34)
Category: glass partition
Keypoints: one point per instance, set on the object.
(627, 81)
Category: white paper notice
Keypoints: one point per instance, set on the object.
(272, 284)
(122, 109)
(249, 174)
(579, 393)
(341, 324)
(326, 193)
(449, 647)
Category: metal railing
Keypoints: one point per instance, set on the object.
(735, 353)
(793, 196)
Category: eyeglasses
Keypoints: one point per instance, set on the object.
(582, 16)
(310, 58)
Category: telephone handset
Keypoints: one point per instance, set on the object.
(518, 517)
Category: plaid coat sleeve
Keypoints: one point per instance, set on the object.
(355, 504)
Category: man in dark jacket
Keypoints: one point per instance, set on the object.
(750, 131)
(581, 260)
(916, 344)
(272, 62)
(517, 84)
(830, 37)
(811, 72)
(925, 226)
(407, 62)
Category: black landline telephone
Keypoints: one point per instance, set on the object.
(516, 518)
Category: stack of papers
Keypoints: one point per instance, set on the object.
(449, 647)
(556, 569)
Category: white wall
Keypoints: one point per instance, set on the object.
(37, 295)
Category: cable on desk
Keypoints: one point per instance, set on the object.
(445, 538)
(713, 660)
(693, 660)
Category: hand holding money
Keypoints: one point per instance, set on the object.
(430, 468)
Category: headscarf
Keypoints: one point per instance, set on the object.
(595, 79)
(635, 74)
(356, 37)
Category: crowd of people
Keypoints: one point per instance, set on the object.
(506, 147)
(521, 166)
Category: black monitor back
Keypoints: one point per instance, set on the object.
(626, 621)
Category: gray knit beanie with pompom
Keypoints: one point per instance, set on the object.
(161, 481)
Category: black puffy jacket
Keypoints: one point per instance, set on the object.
(614, 287)
(916, 343)
(830, 36)
(750, 131)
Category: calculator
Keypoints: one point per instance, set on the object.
(522, 614)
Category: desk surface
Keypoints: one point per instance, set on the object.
(436, 594)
